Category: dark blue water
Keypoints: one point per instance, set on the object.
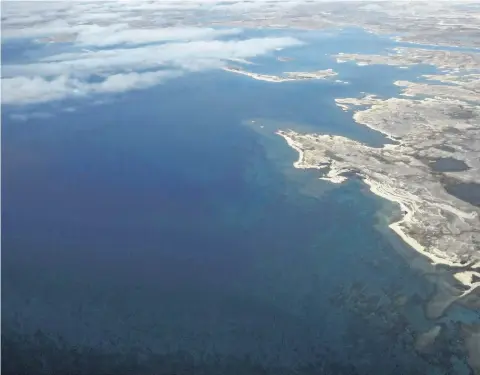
(158, 233)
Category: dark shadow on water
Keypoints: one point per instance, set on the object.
(40, 354)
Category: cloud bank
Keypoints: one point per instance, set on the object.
(84, 48)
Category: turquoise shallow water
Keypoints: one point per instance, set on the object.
(161, 231)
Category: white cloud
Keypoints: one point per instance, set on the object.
(122, 34)
(24, 90)
(27, 116)
(130, 81)
(93, 35)
(191, 56)
(66, 75)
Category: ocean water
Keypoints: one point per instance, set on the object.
(161, 231)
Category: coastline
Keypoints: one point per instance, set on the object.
(334, 177)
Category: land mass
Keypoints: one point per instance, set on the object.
(404, 56)
(432, 170)
(441, 23)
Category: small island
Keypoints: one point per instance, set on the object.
(287, 76)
